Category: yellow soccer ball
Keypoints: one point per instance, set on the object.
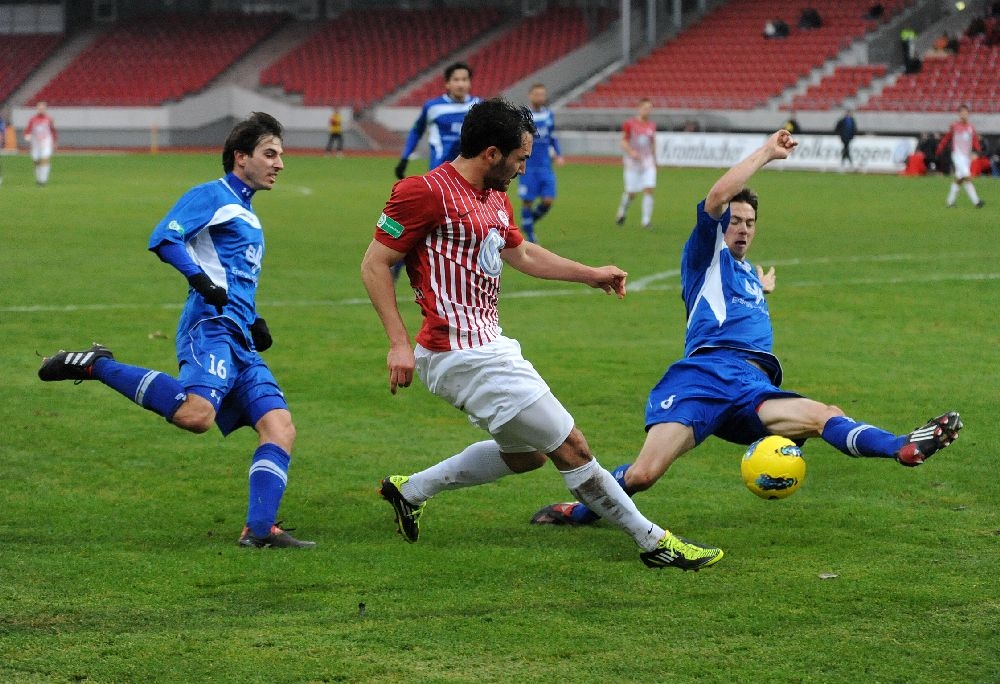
(773, 467)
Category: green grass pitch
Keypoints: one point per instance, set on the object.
(117, 534)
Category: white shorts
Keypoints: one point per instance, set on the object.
(495, 386)
(41, 149)
(639, 179)
(962, 164)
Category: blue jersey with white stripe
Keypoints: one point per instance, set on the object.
(545, 143)
(221, 233)
(723, 296)
(444, 117)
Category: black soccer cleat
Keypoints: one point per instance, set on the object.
(79, 366)
(929, 439)
(277, 538)
(407, 515)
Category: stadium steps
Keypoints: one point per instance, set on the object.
(245, 72)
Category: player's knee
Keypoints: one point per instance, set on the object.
(640, 479)
(525, 462)
(196, 414)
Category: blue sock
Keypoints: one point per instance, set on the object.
(268, 477)
(861, 439)
(528, 223)
(150, 389)
(541, 210)
(584, 515)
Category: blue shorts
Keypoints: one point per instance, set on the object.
(217, 365)
(535, 184)
(715, 393)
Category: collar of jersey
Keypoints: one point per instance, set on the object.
(239, 188)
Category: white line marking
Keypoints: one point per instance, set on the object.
(652, 283)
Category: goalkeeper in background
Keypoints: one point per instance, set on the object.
(214, 238)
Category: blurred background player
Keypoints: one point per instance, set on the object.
(443, 115)
(40, 134)
(336, 138)
(846, 128)
(728, 383)
(537, 187)
(461, 354)
(638, 142)
(963, 140)
(214, 238)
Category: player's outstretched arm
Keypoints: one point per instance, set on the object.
(778, 146)
(376, 273)
(534, 260)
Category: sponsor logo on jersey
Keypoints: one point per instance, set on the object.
(254, 255)
(489, 253)
(504, 219)
(387, 225)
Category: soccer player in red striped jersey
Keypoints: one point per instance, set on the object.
(963, 141)
(453, 227)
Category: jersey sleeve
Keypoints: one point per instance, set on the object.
(416, 132)
(185, 220)
(410, 214)
(700, 247)
(514, 236)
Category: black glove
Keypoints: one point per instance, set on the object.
(209, 291)
(401, 169)
(261, 335)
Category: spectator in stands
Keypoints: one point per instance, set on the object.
(875, 12)
(846, 128)
(908, 43)
(40, 134)
(638, 142)
(810, 19)
(775, 28)
(977, 27)
(963, 141)
(928, 147)
(537, 186)
(336, 133)
(792, 124)
(444, 115)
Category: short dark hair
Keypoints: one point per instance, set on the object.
(747, 196)
(452, 68)
(246, 135)
(496, 122)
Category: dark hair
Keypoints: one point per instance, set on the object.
(747, 196)
(246, 135)
(452, 68)
(496, 122)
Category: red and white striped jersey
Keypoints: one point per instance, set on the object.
(452, 235)
(641, 136)
(961, 137)
(40, 128)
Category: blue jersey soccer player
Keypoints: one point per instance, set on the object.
(214, 238)
(443, 115)
(727, 384)
(537, 187)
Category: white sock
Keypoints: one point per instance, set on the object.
(623, 205)
(647, 209)
(478, 464)
(596, 488)
(970, 189)
(45, 168)
(952, 193)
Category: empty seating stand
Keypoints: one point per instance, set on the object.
(523, 49)
(362, 56)
(944, 83)
(21, 55)
(149, 61)
(724, 61)
(831, 92)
